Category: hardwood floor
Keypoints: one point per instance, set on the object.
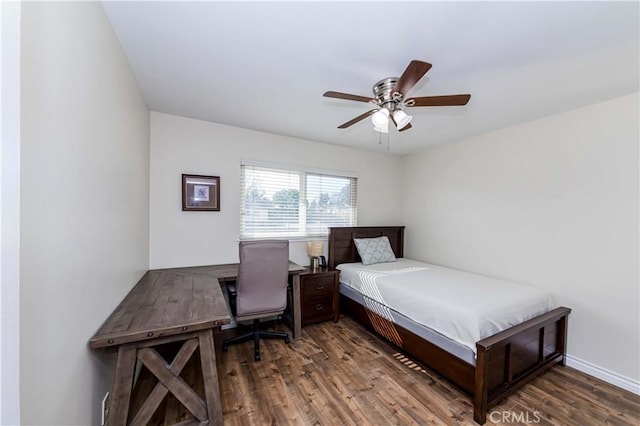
(340, 374)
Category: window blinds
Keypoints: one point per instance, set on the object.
(281, 203)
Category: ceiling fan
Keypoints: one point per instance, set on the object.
(390, 97)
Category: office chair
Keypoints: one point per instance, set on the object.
(261, 289)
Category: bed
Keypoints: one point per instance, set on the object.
(496, 367)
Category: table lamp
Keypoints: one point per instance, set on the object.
(314, 250)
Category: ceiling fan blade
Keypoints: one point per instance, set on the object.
(448, 100)
(407, 127)
(358, 118)
(347, 96)
(414, 72)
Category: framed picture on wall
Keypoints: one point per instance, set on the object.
(200, 193)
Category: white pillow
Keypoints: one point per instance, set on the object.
(374, 250)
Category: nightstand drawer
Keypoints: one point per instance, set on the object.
(317, 310)
(318, 286)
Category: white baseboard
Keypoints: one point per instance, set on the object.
(604, 374)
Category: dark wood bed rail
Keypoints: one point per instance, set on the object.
(505, 361)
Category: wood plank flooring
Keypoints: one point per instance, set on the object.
(340, 374)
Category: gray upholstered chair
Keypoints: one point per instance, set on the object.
(261, 289)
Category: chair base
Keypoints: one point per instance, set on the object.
(255, 334)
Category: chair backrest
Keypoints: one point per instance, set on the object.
(262, 277)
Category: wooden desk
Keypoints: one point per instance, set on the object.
(172, 305)
(229, 272)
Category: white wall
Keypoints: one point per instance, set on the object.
(553, 203)
(84, 204)
(9, 212)
(181, 145)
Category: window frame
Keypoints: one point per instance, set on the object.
(303, 232)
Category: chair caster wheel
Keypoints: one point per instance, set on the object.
(286, 340)
(224, 348)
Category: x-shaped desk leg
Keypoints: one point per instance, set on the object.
(153, 362)
(169, 380)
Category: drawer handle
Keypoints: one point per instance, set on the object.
(319, 287)
(319, 307)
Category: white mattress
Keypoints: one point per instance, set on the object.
(462, 306)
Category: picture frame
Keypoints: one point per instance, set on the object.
(200, 193)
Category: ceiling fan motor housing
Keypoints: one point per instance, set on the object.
(382, 92)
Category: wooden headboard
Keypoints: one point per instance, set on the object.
(343, 250)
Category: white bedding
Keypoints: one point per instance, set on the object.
(462, 306)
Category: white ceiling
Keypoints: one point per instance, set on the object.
(265, 65)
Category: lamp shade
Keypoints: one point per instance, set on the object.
(314, 248)
(401, 118)
(380, 118)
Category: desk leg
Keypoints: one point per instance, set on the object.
(122, 386)
(210, 375)
(297, 308)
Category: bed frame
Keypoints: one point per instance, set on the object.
(505, 361)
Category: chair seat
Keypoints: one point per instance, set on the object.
(258, 316)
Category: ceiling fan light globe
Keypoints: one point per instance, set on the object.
(380, 118)
(402, 119)
(382, 129)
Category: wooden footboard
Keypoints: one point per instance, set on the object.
(505, 361)
(513, 357)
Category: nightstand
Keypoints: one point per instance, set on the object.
(319, 294)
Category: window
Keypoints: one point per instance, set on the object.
(286, 203)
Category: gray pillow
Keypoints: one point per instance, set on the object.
(374, 250)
